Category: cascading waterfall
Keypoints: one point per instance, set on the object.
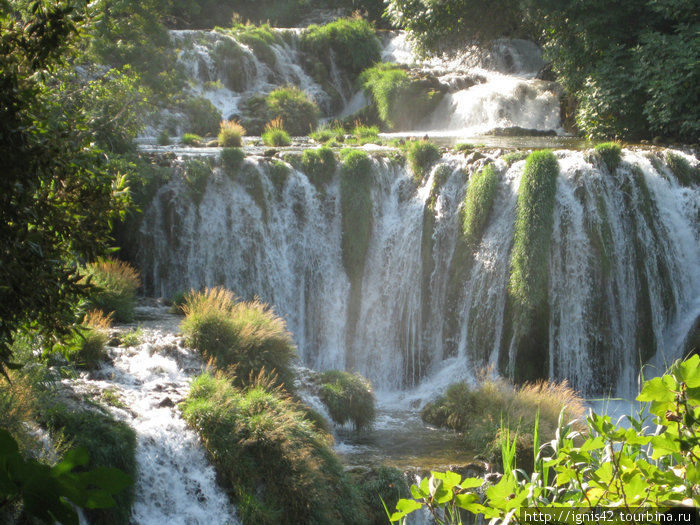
(624, 266)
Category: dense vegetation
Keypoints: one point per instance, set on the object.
(654, 43)
(348, 397)
(478, 201)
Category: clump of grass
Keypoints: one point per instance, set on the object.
(274, 462)
(326, 133)
(610, 153)
(422, 154)
(681, 168)
(114, 289)
(231, 134)
(132, 337)
(298, 113)
(513, 157)
(275, 135)
(363, 134)
(248, 336)
(319, 165)
(530, 262)
(86, 349)
(478, 201)
(482, 412)
(110, 443)
(231, 160)
(196, 174)
(348, 398)
(192, 139)
(177, 301)
(356, 210)
(464, 147)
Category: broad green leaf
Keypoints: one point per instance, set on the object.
(470, 483)
(403, 508)
(690, 371)
(656, 390)
(593, 444)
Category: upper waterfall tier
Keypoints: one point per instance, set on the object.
(623, 265)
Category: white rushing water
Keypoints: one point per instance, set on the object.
(175, 484)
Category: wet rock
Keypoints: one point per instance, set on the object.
(167, 402)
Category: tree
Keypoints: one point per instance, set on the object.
(58, 193)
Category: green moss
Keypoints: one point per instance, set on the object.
(319, 165)
(326, 133)
(110, 443)
(351, 42)
(529, 277)
(229, 59)
(246, 335)
(259, 39)
(513, 157)
(278, 172)
(464, 147)
(610, 152)
(196, 174)
(348, 398)
(681, 168)
(231, 160)
(442, 173)
(356, 209)
(478, 201)
(421, 155)
(276, 466)
(298, 113)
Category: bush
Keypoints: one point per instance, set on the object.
(478, 202)
(356, 211)
(192, 139)
(204, 117)
(231, 159)
(230, 134)
(348, 397)
(275, 135)
(114, 285)
(319, 165)
(513, 157)
(327, 133)
(87, 347)
(379, 487)
(270, 458)
(110, 443)
(421, 156)
(528, 284)
(247, 336)
(351, 41)
(298, 114)
(610, 153)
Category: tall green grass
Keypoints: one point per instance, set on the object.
(246, 337)
(421, 155)
(478, 201)
(230, 134)
(277, 467)
(114, 289)
(348, 398)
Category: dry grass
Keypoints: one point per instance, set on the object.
(230, 134)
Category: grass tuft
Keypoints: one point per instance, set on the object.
(298, 113)
(422, 154)
(610, 152)
(230, 134)
(114, 288)
(348, 398)
(319, 165)
(275, 135)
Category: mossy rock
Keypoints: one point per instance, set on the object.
(348, 398)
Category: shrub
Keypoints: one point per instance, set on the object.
(203, 116)
(244, 335)
(277, 467)
(114, 287)
(110, 443)
(231, 159)
(230, 134)
(191, 139)
(275, 135)
(327, 133)
(482, 412)
(86, 349)
(421, 156)
(356, 211)
(364, 134)
(319, 165)
(164, 138)
(610, 153)
(351, 41)
(379, 487)
(348, 397)
(478, 202)
(530, 265)
(681, 168)
(299, 115)
(513, 157)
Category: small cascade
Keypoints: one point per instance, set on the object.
(176, 484)
(624, 266)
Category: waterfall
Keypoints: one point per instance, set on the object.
(624, 265)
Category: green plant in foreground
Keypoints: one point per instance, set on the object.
(605, 466)
(610, 153)
(348, 397)
(275, 135)
(422, 154)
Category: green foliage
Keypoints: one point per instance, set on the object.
(49, 493)
(259, 39)
(196, 173)
(298, 113)
(275, 135)
(132, 337)
(605, 466)
(464, 147)
(348, 397)
(421, 155)
(51, 169)
(114, 285)
(231, 159)
(610, 152)
(478, 201)
(362, 134)
(230, 134)
(350, 41)
(87, 348)
(110, 444)
(204, 118)
(276, 465)
(513, 157)
(529, 274)
(379, 487)
(319, 165)
(356, 210)
(192, 139)
(326, 133)
(681, 168)
(393, 91)
(247, 336)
